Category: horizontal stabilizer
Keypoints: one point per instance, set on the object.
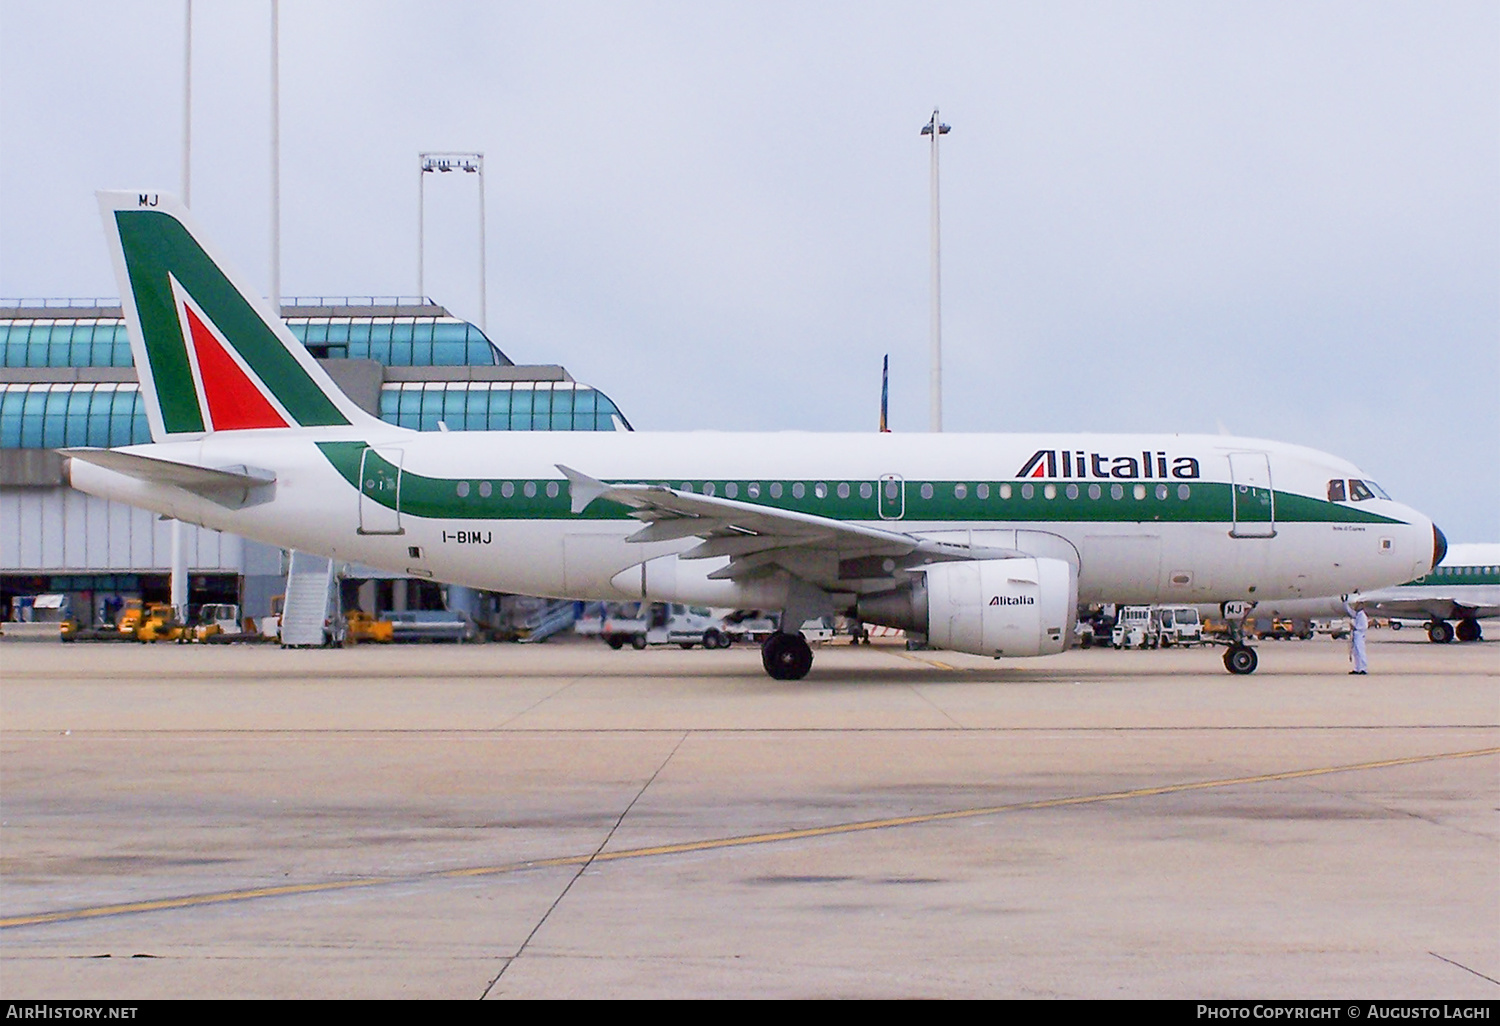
(233, 487)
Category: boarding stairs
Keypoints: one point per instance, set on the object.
(549, 620)
(310, 585)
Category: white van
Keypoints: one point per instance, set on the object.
(661, 623)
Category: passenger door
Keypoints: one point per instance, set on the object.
(380, 491)
(1254, 501)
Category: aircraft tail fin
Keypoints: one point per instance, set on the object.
(210, 353)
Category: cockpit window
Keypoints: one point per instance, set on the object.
(1336, 490)
(1379, 491)
(1361, 490)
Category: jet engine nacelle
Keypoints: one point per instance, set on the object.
(995, 607)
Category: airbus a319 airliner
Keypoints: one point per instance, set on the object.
(983, 543)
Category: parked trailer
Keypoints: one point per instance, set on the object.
(413, 625)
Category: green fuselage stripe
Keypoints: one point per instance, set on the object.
(1450, 575)
(1206, 502)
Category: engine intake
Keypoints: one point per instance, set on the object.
(1009, 607)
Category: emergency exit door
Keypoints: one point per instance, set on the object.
(891, 497)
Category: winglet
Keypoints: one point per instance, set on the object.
(582, 488)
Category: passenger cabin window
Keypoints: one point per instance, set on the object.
(1358, 492)
(1336, 490)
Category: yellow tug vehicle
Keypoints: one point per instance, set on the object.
(160, 623)
(361, 626)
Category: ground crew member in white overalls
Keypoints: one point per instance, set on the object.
(1359, 622)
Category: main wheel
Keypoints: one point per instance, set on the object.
(786, 656)
(1440, 632)
(1240, 659)
(1469, 630)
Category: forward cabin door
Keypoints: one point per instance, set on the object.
(380, 491)
(1254, 501)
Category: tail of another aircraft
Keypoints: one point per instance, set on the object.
(211, 354)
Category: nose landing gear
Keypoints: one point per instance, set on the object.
(1240, 659)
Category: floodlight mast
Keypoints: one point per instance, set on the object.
(935, 128)
(442, 163)
(178, 587)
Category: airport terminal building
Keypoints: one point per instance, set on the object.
(67, 379)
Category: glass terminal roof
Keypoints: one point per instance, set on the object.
(393, 341)
(50, 416)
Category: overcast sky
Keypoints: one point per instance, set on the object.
(1278, 219)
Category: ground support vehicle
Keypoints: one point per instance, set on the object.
(430, 625)
(822, 629)
(1282, 629)
(623, 623)
(160, 623)
(219, 623)
(751, 626)
(1134, 628)
(360, 626)
(1177, 625)
(1095, 626)
(641, 624)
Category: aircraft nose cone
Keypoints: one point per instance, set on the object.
(1439, 545)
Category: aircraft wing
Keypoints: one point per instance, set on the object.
(1441, 607)
(228, 486)
(757, 538)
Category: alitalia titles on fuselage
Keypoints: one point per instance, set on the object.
(1076, 463)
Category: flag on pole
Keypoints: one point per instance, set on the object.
(885, 391)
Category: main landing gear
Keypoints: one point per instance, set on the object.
(1442, 632)
(786, 656)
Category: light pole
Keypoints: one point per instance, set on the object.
(187, 104)
(470, 163)
(935, 128)
(179, 579)
(276, 157)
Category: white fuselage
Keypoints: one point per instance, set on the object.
(1187, 532)
(1466, 585)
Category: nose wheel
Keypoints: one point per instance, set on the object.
(1240, 659)
(786, 656)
